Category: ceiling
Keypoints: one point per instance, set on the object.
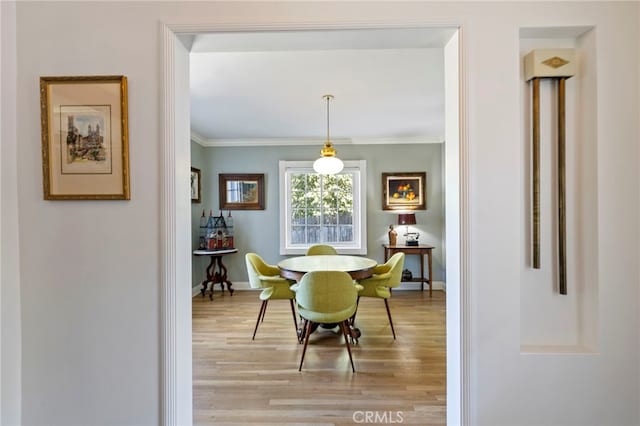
(267, 87)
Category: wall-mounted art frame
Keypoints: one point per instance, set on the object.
(85, 148)
(196, 185)
(241, 191)
(404, 191)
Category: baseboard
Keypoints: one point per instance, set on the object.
(244, 285)
(237, 285)
(437, 285)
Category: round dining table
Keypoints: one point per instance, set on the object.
(358, 267)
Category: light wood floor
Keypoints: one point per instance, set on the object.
(240, 381)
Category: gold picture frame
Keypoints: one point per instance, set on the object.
(241, 191)
(196, 185)
(404, 191)
(85, 147)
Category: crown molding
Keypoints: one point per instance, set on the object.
(219, 143)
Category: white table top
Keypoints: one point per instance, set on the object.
(214, 252)
(358, 267)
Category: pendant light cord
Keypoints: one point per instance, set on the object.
(328, 138)
(328, 98)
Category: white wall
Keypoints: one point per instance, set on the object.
(89, 271)
(10, 344)
(638, 162)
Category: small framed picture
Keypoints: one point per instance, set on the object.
(195, 185)
(241, 191)
(85, 148)
(404, 191)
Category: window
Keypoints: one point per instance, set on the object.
(322, 209)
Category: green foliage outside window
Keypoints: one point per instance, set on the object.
(322, 208)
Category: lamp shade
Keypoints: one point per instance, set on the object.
(328, 165)
(407, 219)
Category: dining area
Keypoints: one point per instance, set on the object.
(324, 290)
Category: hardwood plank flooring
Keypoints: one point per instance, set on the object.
(237, 381)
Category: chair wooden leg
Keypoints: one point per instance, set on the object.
(307, 332)
(264, 311)
(263, 307)
(386, 304)
(344, 326)
(293, 311)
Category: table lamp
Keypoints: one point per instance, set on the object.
(409, 219)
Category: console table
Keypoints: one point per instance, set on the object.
(216, 271)
(421, 250)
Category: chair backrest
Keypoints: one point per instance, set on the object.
(321, 249)
(396, 263)
(256, 266)
(326, 291)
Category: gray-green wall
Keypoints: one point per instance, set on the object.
(258, 230)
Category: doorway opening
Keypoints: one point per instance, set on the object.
(177, 379)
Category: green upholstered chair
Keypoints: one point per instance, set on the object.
(321, 249)
(385, 277)
(326, 297)
(267, 277)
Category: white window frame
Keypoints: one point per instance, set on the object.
(359, 170)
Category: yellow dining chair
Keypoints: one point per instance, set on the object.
(267, 277)
(321, 249)
(326, 297)
(385, 277)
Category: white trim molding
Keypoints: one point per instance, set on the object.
(207, 143)
(176, 400)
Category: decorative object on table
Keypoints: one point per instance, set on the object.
(229, 223)
(202, 234)
(393, 235)
(558, 65)
(85, 151)
(411, 238)
(195, 185)
(407, 275)
(218, 234)
(404, 191)
(328, 163)
(241, 191)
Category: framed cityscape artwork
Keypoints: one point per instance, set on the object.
(85, 151)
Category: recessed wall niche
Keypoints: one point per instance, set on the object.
(549, 321)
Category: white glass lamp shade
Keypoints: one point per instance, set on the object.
(328, 165)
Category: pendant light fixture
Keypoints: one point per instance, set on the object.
(328, 163)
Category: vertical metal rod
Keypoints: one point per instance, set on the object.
(535, 154)
(562, 240)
